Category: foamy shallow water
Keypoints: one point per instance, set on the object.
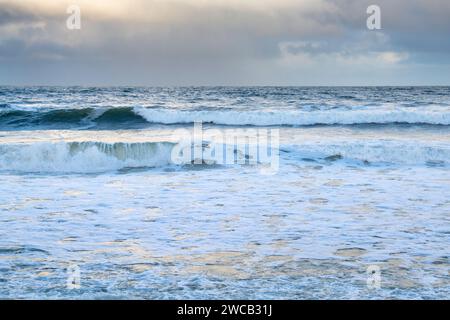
(310, 231)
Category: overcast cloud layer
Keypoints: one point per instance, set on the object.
(225, 42)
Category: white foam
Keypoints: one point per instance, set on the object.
(433, 116)
(375, 151)
(82, 157)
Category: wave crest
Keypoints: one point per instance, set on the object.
(83, 157)
(137, 116)
(97, 157)
(295, 118)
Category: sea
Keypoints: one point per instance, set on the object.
(93, 205)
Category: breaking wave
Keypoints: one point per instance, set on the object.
(296, 118)
(97, 157)
(82, 157)
(133, 116)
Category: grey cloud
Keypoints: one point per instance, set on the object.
(217, 44)
(15, 14)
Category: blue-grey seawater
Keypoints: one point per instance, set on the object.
(87, 179)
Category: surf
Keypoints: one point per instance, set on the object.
(135, 117)
(61, 157)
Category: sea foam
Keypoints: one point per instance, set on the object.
(296, 118)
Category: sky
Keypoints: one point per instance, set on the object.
(224, 42)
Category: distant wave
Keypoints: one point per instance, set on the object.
(70, 117)
(129, 116)
(296, 118)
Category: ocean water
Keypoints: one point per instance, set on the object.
(88, 180)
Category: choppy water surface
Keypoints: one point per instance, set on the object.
(87, 179)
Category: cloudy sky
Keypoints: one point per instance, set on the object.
(225, 42)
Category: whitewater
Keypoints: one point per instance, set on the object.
(88, 179)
